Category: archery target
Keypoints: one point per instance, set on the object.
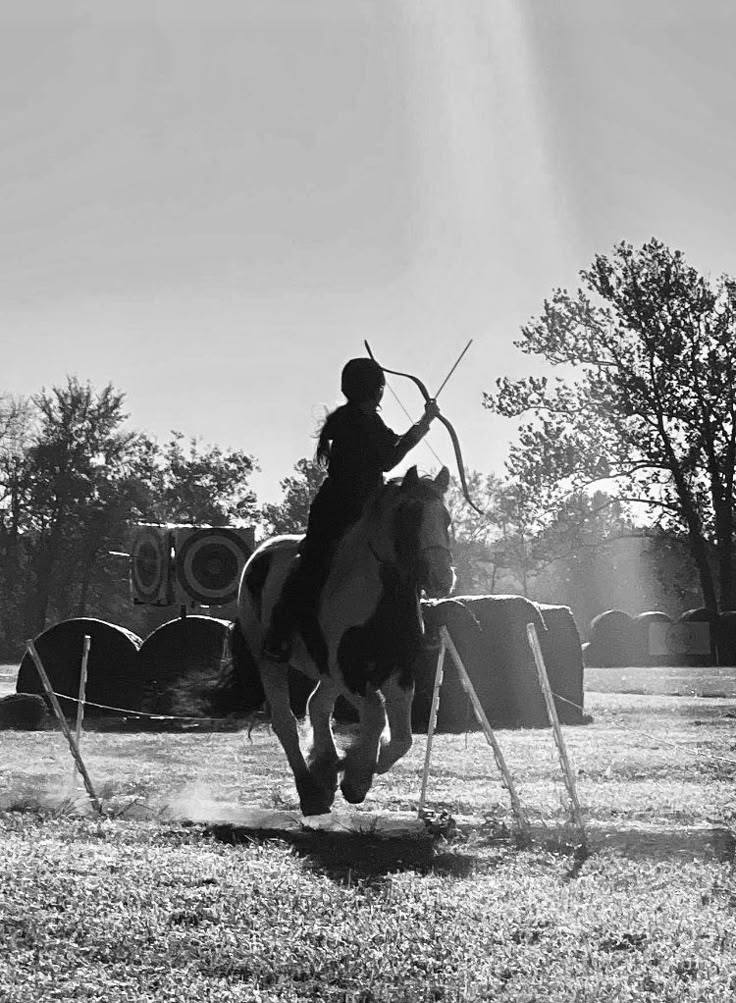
(209, 563)
(691, 638)
(149, 566)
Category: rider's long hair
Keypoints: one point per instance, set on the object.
(325, 436)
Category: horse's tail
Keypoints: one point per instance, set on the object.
(245, 667)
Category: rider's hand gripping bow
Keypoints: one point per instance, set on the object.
(445, 421)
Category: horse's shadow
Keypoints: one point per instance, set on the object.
(352, 857)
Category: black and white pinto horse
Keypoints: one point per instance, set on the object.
(361, 644)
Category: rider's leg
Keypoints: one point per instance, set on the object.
(277, 641)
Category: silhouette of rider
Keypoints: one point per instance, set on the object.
(357, 448)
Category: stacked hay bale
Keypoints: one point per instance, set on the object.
(614, 640)
(490, 633)
(504, 621)
(113, 676)
(455, 712)
(563, 659)
(187, 670)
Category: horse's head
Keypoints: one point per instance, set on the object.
(414, 527)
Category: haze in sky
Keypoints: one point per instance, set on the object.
(212, 205)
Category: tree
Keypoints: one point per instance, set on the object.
(76, 479)
(14, 439)
(291, 514)
(651, 404)
(495, 551)
(185, 482)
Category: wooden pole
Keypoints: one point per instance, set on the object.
(480, 714)
(82, 692)
(82, 695)
(76, 755)
(577, 812)
(438, 676)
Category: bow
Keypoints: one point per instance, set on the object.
(445, 421)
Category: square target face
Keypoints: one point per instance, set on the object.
(209, 564)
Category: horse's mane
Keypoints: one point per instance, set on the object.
(423, 488)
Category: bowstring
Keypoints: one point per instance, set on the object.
(408, 415)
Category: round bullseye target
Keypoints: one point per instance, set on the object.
(688, 638)
(149, 565)
(209, 563)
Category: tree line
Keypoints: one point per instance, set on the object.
(73, 478)
(638, 435)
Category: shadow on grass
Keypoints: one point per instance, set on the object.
(350, 857)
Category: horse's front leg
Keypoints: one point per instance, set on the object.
(398, 741)
(323, 758)
(362, 756)
(314, 799)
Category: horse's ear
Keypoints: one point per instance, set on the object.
(411, 477)
(442, 480)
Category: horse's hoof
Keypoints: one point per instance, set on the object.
(351, 795)
(313, 799)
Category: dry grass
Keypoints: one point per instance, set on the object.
(141, 906)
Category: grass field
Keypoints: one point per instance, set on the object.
(155, 901)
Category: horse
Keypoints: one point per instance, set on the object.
(360, 641)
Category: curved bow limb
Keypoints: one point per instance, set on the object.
(445, 421)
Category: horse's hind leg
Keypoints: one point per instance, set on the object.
(398, 711)
(362, 756)
(314, 799)
(323, 759)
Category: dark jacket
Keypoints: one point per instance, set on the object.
(362, 449)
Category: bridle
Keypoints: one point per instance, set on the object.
(422, 552)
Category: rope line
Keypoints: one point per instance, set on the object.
(177, 717)
(136, 713)
(656, 738)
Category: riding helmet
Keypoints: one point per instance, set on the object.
(362, 380)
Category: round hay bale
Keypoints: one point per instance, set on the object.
(726, 637)
(495, 650)
(113, 676)
(563, 659)
(516, 686)
(649, 640)
(187, 670)
(23, 712)
(614, 640)
(455, 711)
(697, 645)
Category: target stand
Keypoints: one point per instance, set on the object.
(520, 815)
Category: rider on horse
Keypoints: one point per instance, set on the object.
(357, 448)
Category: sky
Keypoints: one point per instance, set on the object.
(212, 203)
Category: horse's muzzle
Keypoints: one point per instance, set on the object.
(437, 576)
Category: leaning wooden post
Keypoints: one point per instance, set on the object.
(467, 683)
(438, 676)
(577, 812)
(82, 695)
(82, 692)
(64, 725)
